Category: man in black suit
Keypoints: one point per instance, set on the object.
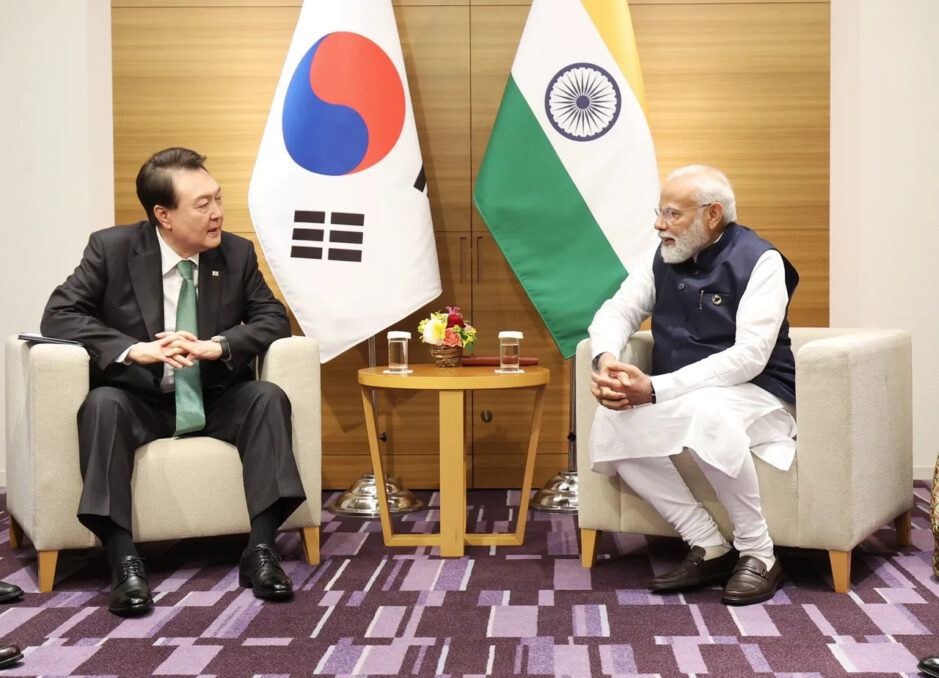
(131, 303)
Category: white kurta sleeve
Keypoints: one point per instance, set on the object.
(760, 314)
(622, 314)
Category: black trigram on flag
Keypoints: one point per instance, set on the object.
(421, 182)
(346, 234)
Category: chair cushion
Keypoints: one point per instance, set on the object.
(171, 473)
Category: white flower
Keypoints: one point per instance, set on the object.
(434, 331)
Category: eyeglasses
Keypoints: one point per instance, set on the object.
(670, 214)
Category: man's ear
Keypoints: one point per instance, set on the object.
(162, 216)
(715, 213)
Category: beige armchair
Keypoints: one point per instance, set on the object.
(189, 487)
(853, 470)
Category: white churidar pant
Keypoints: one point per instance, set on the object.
(720, 425)
(656, 480)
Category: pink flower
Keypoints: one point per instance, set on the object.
(451, 338)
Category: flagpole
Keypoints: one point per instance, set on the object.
(559, 495)
(361, 499)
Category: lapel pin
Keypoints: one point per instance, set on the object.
(214, 274)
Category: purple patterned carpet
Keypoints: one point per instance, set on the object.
(530, 610)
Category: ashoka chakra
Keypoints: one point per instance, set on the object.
(582, 101)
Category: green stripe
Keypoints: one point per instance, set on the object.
(543, 226)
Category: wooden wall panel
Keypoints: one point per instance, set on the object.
(745, 88)
(197, 77)
(411, 417)
(296, 3)
(204, 78)
(404, 3)
(495, 33)
(436, 47)
(739, 84)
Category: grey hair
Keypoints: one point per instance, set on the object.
(712, 185)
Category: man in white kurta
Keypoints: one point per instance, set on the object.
(728, 374)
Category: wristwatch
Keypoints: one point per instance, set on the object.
(226, 347)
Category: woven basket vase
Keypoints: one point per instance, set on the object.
(446, 356)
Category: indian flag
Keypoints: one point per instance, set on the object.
(569, 182)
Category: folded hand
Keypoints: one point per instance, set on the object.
(177, 349)
(620, 386)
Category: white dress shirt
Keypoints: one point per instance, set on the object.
(172, 283)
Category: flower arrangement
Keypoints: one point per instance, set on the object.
(447, 329)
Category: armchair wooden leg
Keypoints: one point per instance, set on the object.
(47, 562)
(588, 547)
(16, 533)
(841, 570)
(310, 538)
(903, 524)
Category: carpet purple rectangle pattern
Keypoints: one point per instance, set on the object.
(530, 610)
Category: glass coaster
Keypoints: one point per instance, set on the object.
(509, 371)
(397, 371)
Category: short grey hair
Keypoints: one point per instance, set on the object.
(712, 185)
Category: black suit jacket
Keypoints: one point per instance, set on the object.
(115, 299)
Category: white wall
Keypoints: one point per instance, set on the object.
(885, 186)
(56, 149)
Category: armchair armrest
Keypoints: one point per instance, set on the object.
(854, 400)
(45, 386)
(638, 351)
(293, 363)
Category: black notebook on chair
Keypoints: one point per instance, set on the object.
(35, 338)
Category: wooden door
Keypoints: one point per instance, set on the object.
(408, 419)
(500, 419)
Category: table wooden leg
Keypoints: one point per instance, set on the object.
(452, 476)
(372, 430)
(533, 435)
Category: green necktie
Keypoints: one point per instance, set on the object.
(190, 416)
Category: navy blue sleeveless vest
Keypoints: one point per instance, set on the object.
(696, 308)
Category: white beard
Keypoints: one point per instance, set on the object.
(688, 244)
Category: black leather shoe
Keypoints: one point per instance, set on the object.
(9, 592)
(694, 570)
(9, 653)
(130, 592)
(751, 583)
(259, 570)
(929, 666)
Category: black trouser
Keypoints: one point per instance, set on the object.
(254, 416)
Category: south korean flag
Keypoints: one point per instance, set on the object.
(338, 195)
